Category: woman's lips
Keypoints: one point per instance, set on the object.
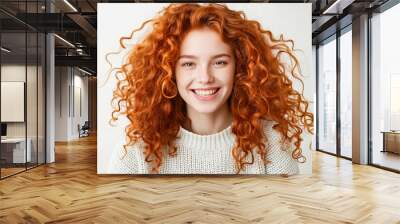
(205, 94)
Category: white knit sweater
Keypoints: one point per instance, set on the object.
(207, 154)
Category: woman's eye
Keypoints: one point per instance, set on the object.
(220, 63)
(188, 64)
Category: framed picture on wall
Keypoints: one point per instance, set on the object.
(12, 101)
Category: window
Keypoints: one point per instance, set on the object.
(385, 89)
(346, 94)
(327, 97)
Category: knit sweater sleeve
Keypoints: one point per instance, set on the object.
(279, 154)
(123, 163)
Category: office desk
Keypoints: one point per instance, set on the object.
(391, 141)
(16, 147)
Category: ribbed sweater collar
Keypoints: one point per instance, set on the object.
(220, 140)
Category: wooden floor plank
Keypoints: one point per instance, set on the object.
(70, 191)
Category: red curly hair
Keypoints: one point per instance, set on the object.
(147, 94)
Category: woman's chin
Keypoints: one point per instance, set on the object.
(204, 110)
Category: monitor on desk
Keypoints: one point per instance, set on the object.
(3, 130)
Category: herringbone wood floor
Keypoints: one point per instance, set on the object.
(70, 191)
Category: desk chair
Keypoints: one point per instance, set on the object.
(84, 130)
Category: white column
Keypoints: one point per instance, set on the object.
(50, 92)
(50, 99)
(360, 90)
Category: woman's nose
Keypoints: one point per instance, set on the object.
(205, 75)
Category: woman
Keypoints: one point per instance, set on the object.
(207, 93)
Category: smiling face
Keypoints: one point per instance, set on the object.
(205, 72)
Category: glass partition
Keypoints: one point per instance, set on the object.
(346, 94)
(22, 67)
(385, 89)
(327, 96)
(13, 95)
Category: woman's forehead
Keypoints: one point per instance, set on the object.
(204, 41)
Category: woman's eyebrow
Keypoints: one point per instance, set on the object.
(187, 56)
(213, 57)
(221, 55)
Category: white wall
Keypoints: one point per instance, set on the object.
(12, 73)
(79, 117)
(71, 94)
(61, 103)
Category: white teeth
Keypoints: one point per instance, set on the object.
(205, 92)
